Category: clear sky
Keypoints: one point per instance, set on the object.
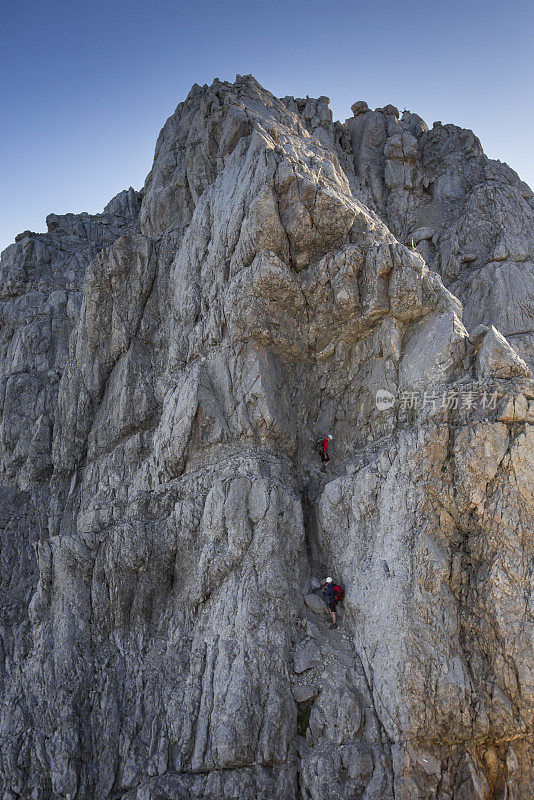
(86, 85)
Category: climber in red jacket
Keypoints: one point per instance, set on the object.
(323, 449)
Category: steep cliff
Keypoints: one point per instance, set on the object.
(166, 369)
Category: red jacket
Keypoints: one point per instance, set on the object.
(325, 444)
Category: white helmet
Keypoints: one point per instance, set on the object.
(329, 580)
(329, 436)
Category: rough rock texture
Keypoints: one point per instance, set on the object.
(166, 369)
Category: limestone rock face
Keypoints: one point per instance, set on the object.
(471, 218)
(167, 368)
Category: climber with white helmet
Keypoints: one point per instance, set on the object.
(322, 446)
(332, 594)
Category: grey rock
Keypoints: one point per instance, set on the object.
(390, 109)
(166, 368)
(433, 349)
(306, 656)
(421, 234)
(497, 357)
(359, 107)
(303, 692)
(477, 334)
(315, 603)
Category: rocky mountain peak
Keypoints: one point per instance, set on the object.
(170, 369)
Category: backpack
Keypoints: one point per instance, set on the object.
(338, 592)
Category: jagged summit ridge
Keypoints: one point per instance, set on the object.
(167, 367)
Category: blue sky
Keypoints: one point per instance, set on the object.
(85, 87)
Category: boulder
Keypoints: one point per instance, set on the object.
(303, 692)
(359, 107)
(497, 358)
(315, 603)
(306, 656)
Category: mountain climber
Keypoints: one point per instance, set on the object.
(332, 594)
(322, 446)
